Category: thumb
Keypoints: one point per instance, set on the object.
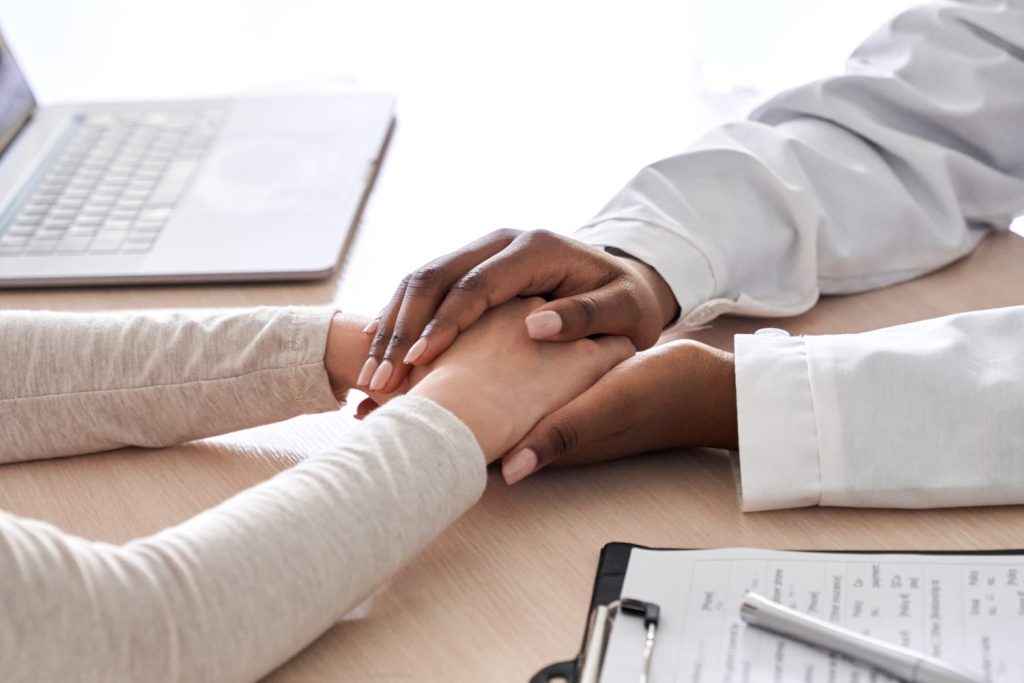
(562, 436)
(612, 309)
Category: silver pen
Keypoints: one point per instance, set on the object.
(895, 660)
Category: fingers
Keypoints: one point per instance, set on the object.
(380, 328)
(526, 267)
(401, 322)
(596, 295)
(612, 309)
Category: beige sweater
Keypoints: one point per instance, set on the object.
(235, 591)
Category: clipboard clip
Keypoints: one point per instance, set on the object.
(595, 647)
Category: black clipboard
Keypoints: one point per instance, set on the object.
(611, 573)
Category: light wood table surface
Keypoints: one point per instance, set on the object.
(505, 590)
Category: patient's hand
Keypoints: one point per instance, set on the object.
(347, 346)
(675, 395)
(501, 383)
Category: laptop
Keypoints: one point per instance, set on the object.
(199, 191)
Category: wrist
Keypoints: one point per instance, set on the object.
(712, 381)
(347, 349)
(476, 409)
(668, 308)
(723, 431)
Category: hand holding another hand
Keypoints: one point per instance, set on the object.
(501, 383)
(593, 292)
(676, 395)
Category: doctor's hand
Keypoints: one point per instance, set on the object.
(592, 292)
(500, 382)
(676, 395)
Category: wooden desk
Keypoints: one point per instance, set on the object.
(504, 591)
(552, 110)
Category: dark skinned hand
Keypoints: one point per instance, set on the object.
(591, 291)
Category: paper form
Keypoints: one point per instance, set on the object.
(965, 609)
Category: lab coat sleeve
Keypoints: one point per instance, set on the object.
(892, 170)
(926, 414)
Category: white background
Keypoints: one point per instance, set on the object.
(489, 81)
(520, 114)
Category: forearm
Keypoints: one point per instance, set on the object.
(78, 383)
(855, 182)
(232, 593)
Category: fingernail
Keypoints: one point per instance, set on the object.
(415, 351)
(381, 377)
(518, 465)
(544, 324)
(371, 327)
(369, 367)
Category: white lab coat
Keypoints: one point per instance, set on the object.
(890, 171)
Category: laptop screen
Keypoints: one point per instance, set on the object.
(16, 101)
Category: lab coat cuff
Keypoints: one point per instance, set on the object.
(683, 266)
(778, 437)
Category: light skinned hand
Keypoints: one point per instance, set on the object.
(500, 382)
(347, 346)
(675, 395)
(592, 291)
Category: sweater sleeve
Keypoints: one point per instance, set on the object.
(233, 592)
(893, 169)
(79, 383)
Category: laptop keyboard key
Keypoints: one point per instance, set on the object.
(41, 245)
(7, 239)
(107, 240)
(74, 243)
(113, 185)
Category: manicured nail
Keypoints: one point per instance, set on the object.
(518, 465)
(371, 327)
(369, 367)
(381, 377)
(543, 325)
(415, 351)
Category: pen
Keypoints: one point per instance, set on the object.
(901, 662)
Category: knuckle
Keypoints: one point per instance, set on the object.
(427, 278)
(562, 439)
(504, 234)
(439, 325)
(585, 309)
(473, 281)
(607, 276)
(380, 340)
(397, 340)
(540, 238)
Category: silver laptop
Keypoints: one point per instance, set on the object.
(241, 189)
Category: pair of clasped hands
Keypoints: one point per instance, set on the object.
(532, 340)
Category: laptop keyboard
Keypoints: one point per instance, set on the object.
(112, 188)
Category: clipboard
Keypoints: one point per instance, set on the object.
(608, 582)
(611, 573)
